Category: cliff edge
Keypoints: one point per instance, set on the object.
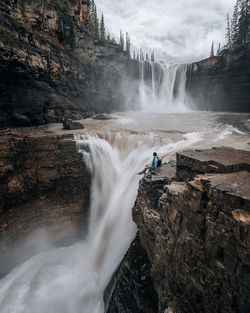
(193, 232)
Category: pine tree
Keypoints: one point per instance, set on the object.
(141, 55)
(218, 49)
(243, 23)
(234, 24)
(212, 50)
(153, 56)
(128, 43)
(121, 40)
(108, 38)
(138, 57)
(228, 33)
(102, 29)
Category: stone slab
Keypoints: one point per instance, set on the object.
(215, 160)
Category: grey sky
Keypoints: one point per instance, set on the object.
(178, 30)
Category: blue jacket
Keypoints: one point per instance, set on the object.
(154, 164)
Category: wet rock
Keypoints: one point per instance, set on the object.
(196, 233)
(222, 83)
(44, 184)
(131, 288)
(103, 117)
(216, 160)
(69, 124)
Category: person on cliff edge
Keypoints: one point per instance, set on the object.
(153, 165)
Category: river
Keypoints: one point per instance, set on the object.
(72, 279)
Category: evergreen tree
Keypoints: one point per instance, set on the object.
(121, 40)
(212, 50)
(102, 30)
(153, 56)
(134, 55)
(234, 24)
(243, 23)
(141, 55)
(108, 38)
(96, 24)
(128, 43)
(138, 57)
(218, 49)
(228, 33)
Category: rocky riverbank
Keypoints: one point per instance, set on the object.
(192, 249)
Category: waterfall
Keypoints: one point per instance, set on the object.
(162, 87)
(72, 279)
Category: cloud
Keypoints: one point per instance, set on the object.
(178, 30)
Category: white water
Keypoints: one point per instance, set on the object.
(72, 279)
(162, 87)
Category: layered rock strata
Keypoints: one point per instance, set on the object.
(51, 66)
(221, 83)
(43, 184)
(195, 228)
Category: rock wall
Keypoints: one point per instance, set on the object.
(221, 83)
(194, 225)
(43, 184)
(51, 67)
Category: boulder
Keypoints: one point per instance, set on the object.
(102, 117)
(69, 124)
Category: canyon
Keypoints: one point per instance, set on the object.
(79, 230)
(52, 68)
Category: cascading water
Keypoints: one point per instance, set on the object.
(162, 87)
(72, 279)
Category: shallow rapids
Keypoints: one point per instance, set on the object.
(72, 279)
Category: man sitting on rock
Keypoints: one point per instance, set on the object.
(153, 166)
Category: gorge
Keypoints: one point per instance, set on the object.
(80, 231)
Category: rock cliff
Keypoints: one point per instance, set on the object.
(193, 238)
(221, 83)
(44, 184)
(50, 65)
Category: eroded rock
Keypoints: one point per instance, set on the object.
(44, 184)
(69, 124)
(196, 233)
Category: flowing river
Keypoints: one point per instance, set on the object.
(72, 279)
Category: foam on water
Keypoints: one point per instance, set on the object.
(72, 279)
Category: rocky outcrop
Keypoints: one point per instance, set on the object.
(131, 289)
(51, 67)
(44, 184)
(195, 228)
(221, 83)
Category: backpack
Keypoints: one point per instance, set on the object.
(159, 163)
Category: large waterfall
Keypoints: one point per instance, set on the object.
(72, 279)
(162, 87)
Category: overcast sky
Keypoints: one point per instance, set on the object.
(178, 30)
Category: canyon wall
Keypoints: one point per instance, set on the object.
(192, 249)
(44, 184)
(221, 83)
(51, 67)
